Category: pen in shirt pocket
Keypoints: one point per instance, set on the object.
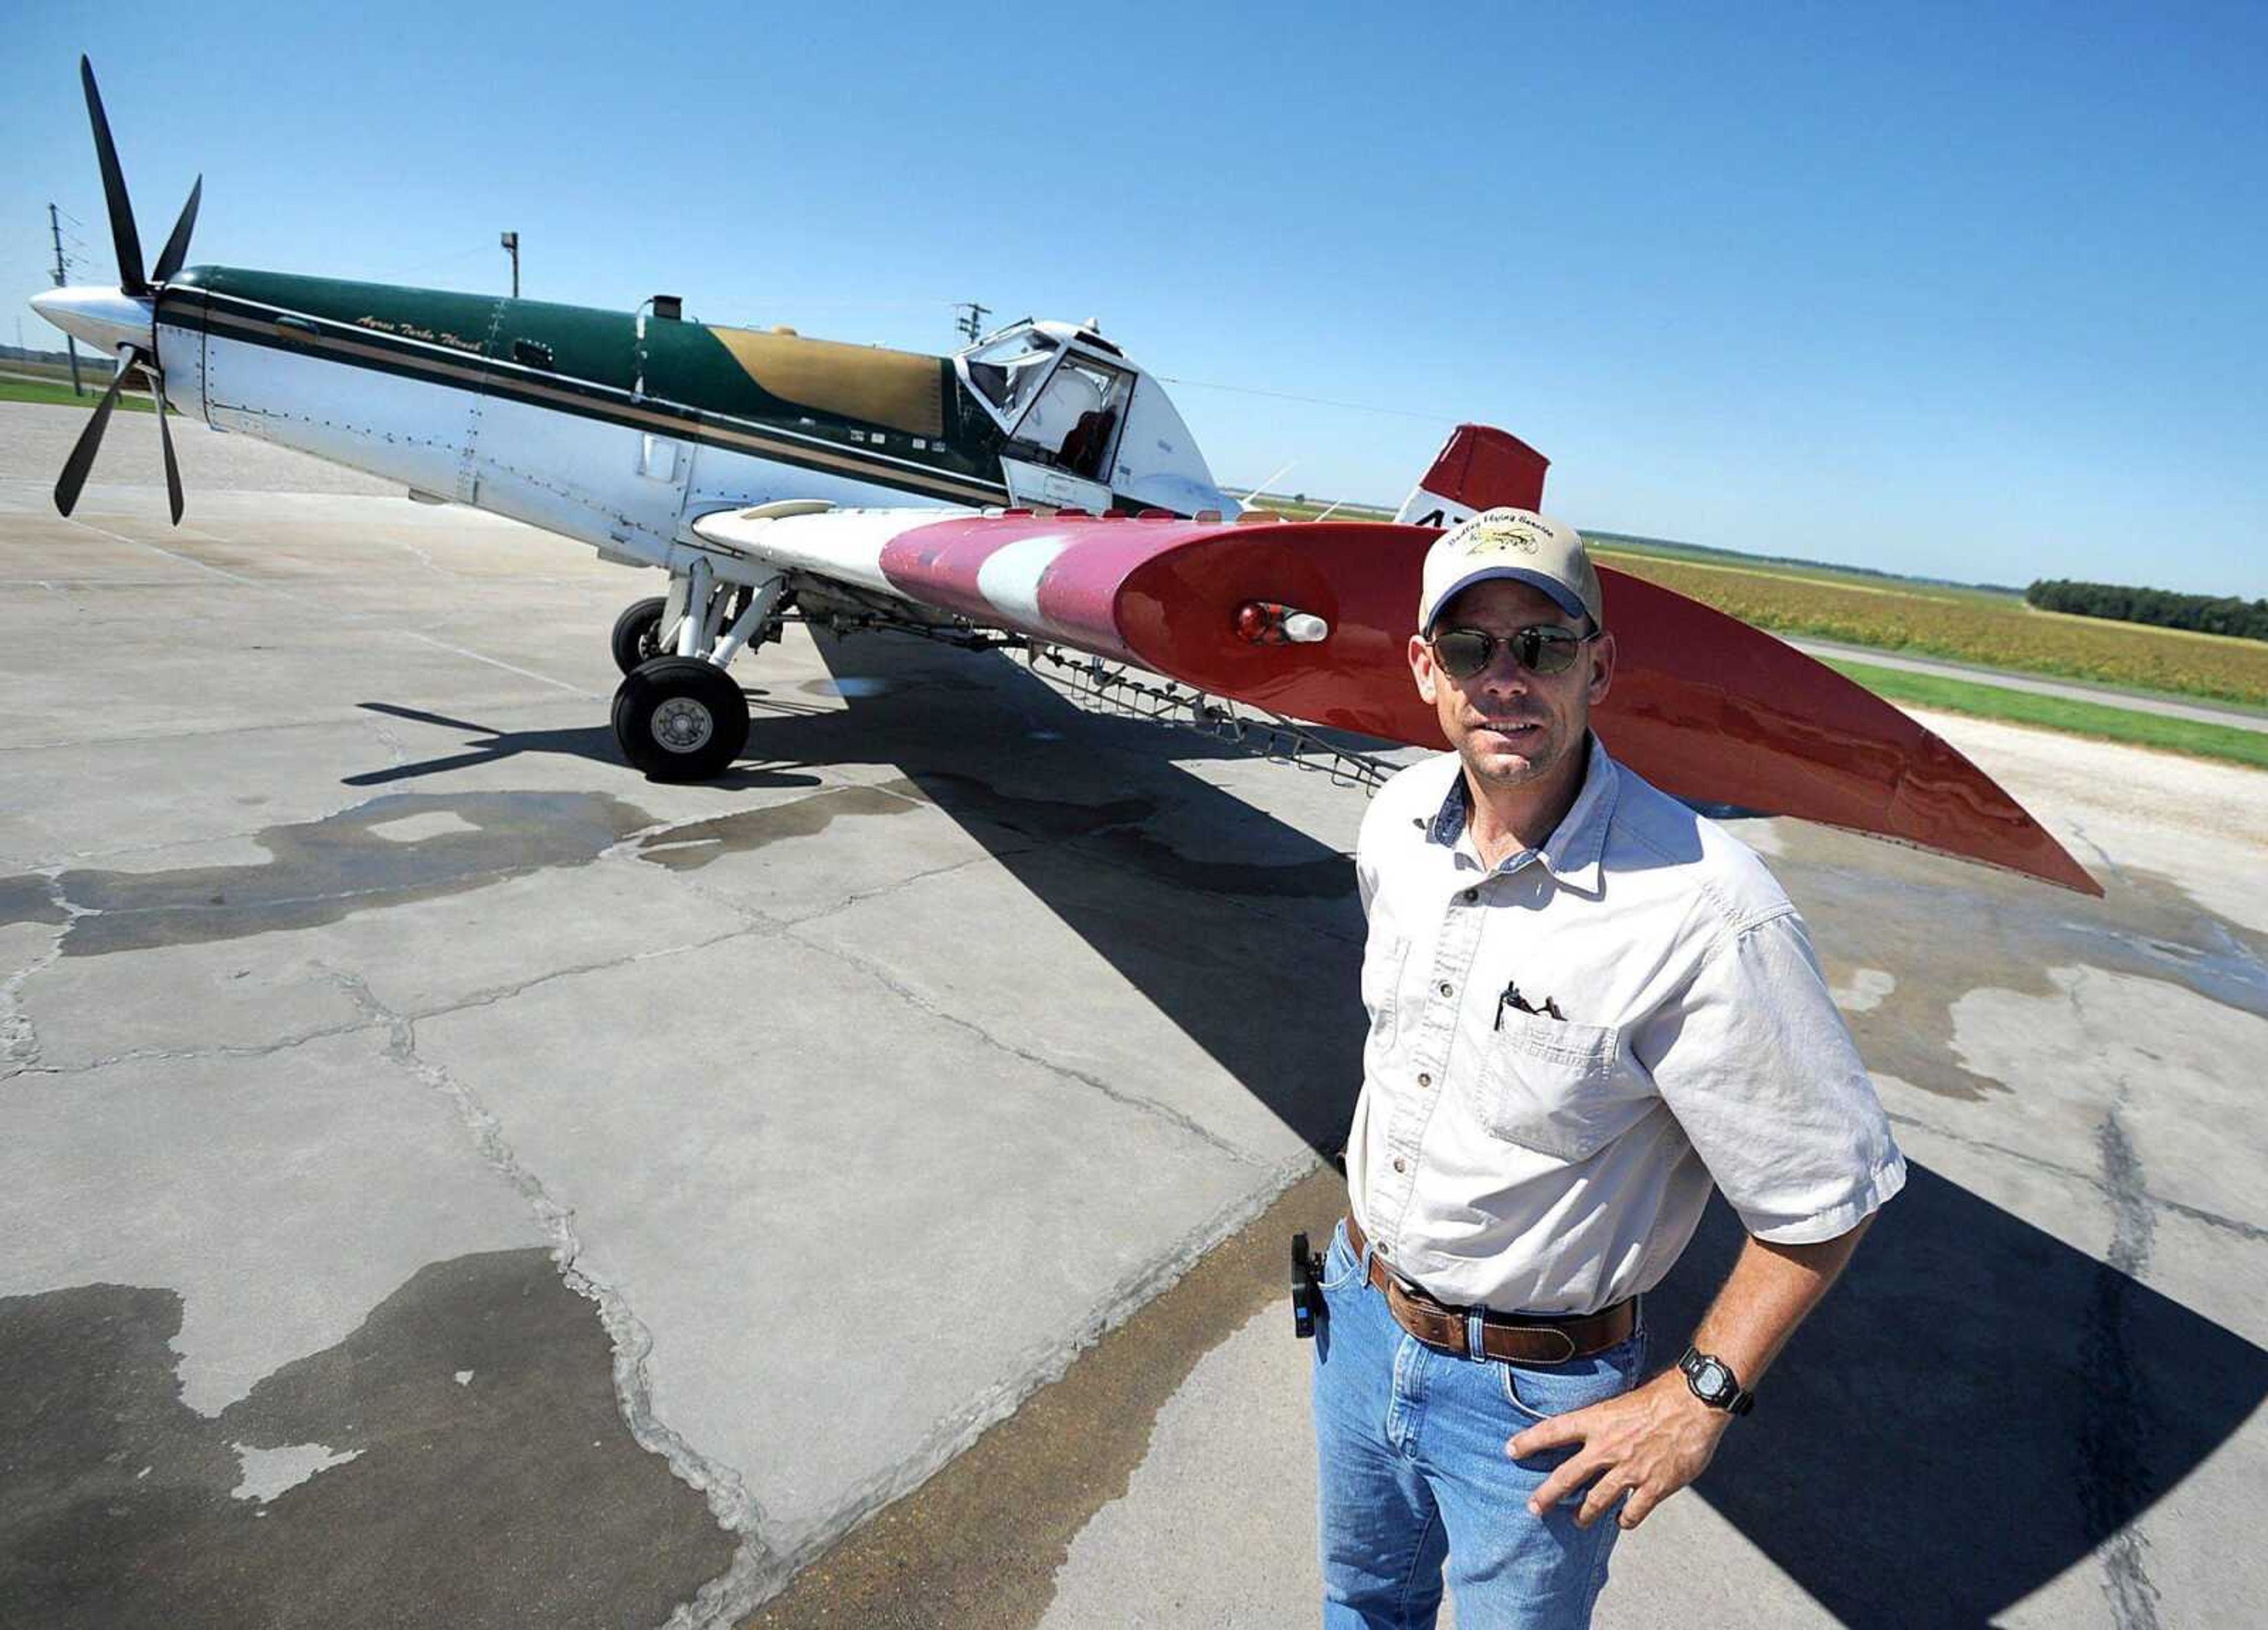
(1513, 998)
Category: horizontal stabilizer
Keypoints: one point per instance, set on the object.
(1478, 467)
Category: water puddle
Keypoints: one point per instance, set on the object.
(1944, 929)
(395, 849)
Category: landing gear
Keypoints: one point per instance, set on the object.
(680, 718)
(678, 714)
(638, 634)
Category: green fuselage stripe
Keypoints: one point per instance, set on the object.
(277, 328)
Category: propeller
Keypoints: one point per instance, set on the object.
(101, 315)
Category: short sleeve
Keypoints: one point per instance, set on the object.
(1365, 856)
(1756, 1062)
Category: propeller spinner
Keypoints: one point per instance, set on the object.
(123, 320)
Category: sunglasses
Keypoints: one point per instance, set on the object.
(1546, 648)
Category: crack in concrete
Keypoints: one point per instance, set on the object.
(2114, 1436)
(883, 891)
(174, 1055)
(755, 1570)
(20, 1039)
(485, 997)
(2236, 1225)
(392, 743)
(489, 995)
(1135, 1102)
(2079, 831)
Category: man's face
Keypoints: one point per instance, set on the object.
(1511, 725)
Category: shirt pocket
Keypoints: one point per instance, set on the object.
(1559, 1088)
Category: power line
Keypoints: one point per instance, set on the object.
(55, 229)
(1319, 402)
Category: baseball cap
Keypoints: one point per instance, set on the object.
(1516, 543)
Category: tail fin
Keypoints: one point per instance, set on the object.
(1478, 467)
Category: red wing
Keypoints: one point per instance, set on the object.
(1702, 706)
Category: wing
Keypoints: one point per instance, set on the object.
(1704, 706)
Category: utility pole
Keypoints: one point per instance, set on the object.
(55, 231)
(511, 241)
(972, 319)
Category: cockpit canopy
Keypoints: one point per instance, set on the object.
(1054, 389)
(1065, 397)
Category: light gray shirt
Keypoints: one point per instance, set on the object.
(1555, 1165)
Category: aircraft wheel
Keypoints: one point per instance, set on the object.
(680, 718)
(638, 634)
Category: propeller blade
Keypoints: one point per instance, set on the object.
(122, 235)
(177, 247)
(82, 455)
(165, 435)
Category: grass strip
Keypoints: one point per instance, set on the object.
(2229, 743)
(33, 390)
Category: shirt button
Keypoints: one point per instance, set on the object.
(1425, 1079)
(1447, 989)
(1399, 1164)
(1470, 896)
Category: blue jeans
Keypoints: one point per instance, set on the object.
(1410, 1446)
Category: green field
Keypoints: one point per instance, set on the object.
(1301, 509)
(2102, 722)
(1987, 629)
(36, 390)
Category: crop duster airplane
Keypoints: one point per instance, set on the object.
(1035, 488)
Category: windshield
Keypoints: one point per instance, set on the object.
(1007, 372)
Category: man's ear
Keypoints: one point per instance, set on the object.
(1603, 668)
(1421, 667)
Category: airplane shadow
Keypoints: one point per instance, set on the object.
(595, 742)
(1971, 1414)
(1974, 1410)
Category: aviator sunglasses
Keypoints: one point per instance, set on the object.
(1547, 648)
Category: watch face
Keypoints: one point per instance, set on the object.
(1710, 1377)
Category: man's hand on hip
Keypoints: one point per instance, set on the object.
(1649, 1442)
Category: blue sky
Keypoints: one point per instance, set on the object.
(1971, 291)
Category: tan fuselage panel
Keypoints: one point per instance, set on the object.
(895, 388)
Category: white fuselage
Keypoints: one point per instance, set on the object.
(630, 494)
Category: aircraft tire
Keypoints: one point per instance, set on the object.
(638, 634)
(680, 718)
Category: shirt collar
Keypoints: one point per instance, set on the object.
(1573, 853)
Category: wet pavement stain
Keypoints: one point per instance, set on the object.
(1942, 929)
(29, 900)
(1111, 828)
(976, 1548)
(322, 871)
(697, 844)
(514, 1496)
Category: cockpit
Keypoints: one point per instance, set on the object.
(1055, 391)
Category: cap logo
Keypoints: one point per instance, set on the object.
(1503, 538)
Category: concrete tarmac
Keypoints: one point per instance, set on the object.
(449, 1179)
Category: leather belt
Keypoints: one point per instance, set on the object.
(1528, 1338)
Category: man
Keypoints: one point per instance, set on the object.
(1588, 1004)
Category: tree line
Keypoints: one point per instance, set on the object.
(2200, 613)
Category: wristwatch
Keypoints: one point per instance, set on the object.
(1713, 1382)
